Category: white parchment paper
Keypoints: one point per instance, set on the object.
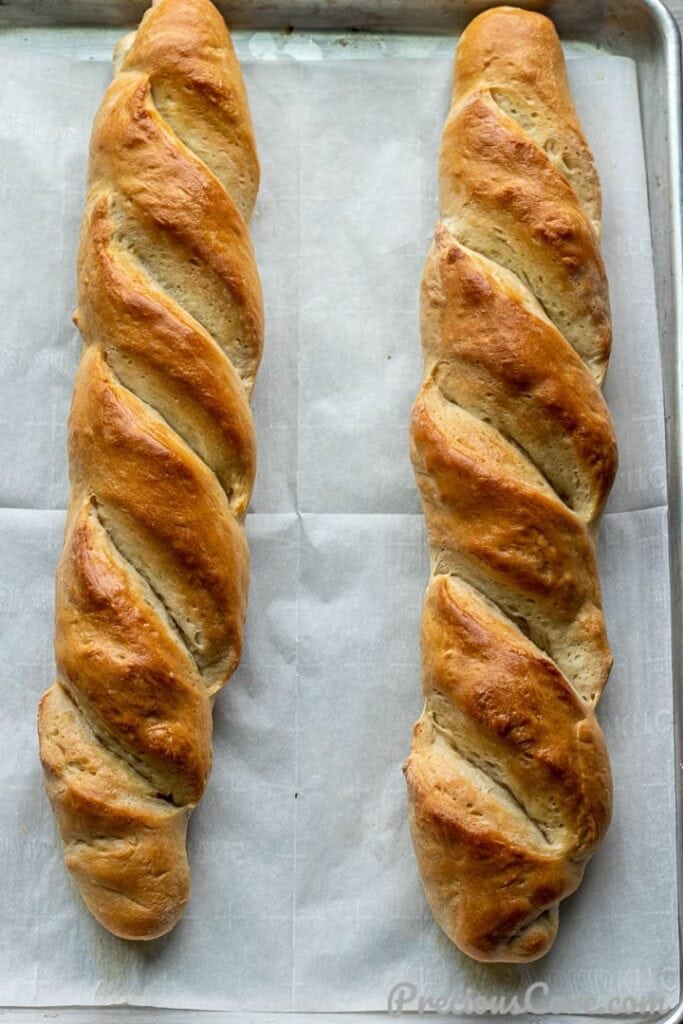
(305, 892)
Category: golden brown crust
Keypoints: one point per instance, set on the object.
(174, 358)
(124, 846)
(520, 60)
(198, 90)
(157, 498)
(504, 191)
(165, 196)
(514, 454)
(154, 705)
(510, 536)
(497, 354)
(152, 582)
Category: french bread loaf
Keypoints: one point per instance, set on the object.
(152, 582)
(514, 454)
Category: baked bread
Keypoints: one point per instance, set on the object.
(514, 454)
(152, 582)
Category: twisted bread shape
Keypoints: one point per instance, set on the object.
(152, 582)
(514, 454)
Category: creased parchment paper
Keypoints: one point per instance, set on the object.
(305, 892)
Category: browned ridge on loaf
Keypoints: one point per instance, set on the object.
(152, 582)
(514, 455)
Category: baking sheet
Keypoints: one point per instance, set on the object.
(305, 893)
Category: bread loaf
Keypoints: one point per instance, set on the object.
(514, 455)
(152, 582)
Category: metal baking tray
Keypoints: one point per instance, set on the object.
(641, 29)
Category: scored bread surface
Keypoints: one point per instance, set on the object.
(152, 582)
(514, 454)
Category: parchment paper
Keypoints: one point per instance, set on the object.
(305, 892)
